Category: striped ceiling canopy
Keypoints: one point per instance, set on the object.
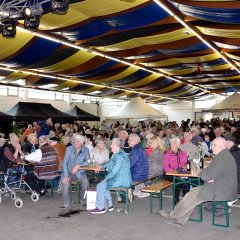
(163, 51)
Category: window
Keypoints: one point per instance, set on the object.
(12, 91)
(41, 94)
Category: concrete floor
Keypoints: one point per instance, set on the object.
(40, 220)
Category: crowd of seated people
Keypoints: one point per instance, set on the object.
(152, 150)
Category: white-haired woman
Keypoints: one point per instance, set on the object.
(99, 154)
(118, 175)
(175, 158)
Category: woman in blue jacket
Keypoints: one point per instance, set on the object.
(118, 176)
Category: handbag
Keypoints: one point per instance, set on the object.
(91, 200)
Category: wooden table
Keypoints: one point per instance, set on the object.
(90, 168)
(191, 178)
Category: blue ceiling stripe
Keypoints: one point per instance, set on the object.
(37, 51)
(161, 83)
(140, 17)
(220, 15)
(43, 81)
(97, 70)
(140, 74)
(184, 50)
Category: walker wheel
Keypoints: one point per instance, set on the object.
(18, 203)
(34, 197)
(13, 196)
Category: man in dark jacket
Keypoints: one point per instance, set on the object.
(138, 163)
(138, 159)
(220, 184)
(32, 144)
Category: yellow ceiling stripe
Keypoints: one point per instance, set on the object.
(227, 33)
(92, 89)
(173, 61)
(169, 88)
(81, 11)
(216, 68)
(178, 72)
(75, 60)
(233, 56)
(66, 84)
(143, 81)
(123, 74)
(9, 46)
(149, 40)
(16, 76)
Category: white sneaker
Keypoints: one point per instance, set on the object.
(136, 193)
(143, 195)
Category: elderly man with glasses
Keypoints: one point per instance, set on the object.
(76, 156)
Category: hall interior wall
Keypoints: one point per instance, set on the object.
(176, 112)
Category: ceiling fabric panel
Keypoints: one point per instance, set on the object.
(129, 49)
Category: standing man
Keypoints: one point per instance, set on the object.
(45, 127)
(76, 156)
(220, 184)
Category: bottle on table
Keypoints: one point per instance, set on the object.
(188, 164)
(201, 160)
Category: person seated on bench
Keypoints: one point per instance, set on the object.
(188, 147)
(138, 161)
(45, 166)
(155, 160)
(173, 159)
(76, 156)
(118, 176)
(99, 154)
(220, 184)
(235, 151)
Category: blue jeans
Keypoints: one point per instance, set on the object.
(102, 195)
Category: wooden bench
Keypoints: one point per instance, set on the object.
(128, 192)
(156, 189)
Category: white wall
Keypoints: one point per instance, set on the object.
(8, 102)
(178, 111)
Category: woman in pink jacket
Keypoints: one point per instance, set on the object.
(175, 158)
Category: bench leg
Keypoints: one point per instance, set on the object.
(117, 195)
(225, 204)
(52, 186)
(127, 203)
(160, 199)
(79, 192)
(151, 202)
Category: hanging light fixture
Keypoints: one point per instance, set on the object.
(60, 6)
(32, 22)
(9, 28)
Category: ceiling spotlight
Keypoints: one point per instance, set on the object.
(27, 11)
(60, 6)
(33, 10)
(32, 22)
(9, 29)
